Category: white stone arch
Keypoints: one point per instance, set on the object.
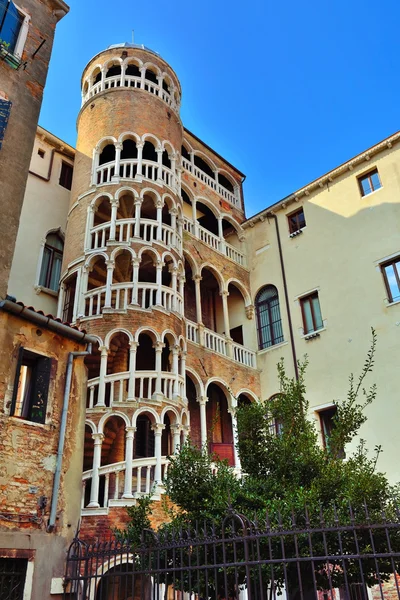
(124, 190)
(216, 274)
(228, 177)
(129, 60)
(148, 191)
(91, 425)
(206, 159)
(99, 196)
(209, 205)
(167, 332)
(109, 415)
(111, 61)
(145, 409)
(168, 254)
(153, 334)
(245, 293)
(149, 250)
(165, 144)
(152, 67)
(113, 332)
(98, 338)
(91, 259)
(104, 141)
(92, 71)
(224, 387)
(181, 268)
(237, 226)
(150, 137)
(188, 191)
(198, 383)
(119, 249)
(185, 416)
(128, 135)
(169, 197)
(172, 409)
(193, 264)
(103, 569)
(249, 393)
(166, 76)
(187, 145)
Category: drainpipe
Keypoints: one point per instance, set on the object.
(61, 440)
(296, 369)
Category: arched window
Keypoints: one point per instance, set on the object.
(269, 324)
(51, 262)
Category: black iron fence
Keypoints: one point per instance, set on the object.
(340, 554)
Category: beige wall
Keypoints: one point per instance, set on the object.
(44, 209)
(338, 253)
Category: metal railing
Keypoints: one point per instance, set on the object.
(351, 555)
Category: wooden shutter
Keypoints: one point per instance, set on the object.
(16, 379)
(40, 390)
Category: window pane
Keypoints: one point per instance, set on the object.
(307, 316)
(45, 267)
(55, 272)
(54, 240)
(366, 186)
(376, 184)
(265, 327)
(317, 312)
(11, 26)
(301, 220)
(392, 281)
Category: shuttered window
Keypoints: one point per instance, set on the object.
(269, 323)
(31, 386)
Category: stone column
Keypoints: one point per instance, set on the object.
(142, 76)
(176, 442)
(135, 278)
(174, 273)
(138, 206)
(159, 266)
(159, 206)
(232, 412)
(197, 279)
(113, 223)
(102, 375)
(173, 212)
(175, 370)
(158, 395)
(160, 165)
(224, 295)
(82, 291)
(182, 281)
(139, 146)
(183, 373)
(94, 492)
(132, 370)
(172, 158)
(179, 179)
(123, 70)
(203, 421)
(110, 270)
(118, 150)
(221, 235)
(103, 77)
(91, 210)
(186, 431)
(194, 219)
(60, 303)
(130, 432)
(158, 429)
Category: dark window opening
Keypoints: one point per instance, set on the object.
(149, 152)
(185, 197)
(201, 164)
(51, 262)
(207, 219)
(11, 21)
(129, 149)
(41, 153)
(107, 154)
(185, 153)
(296, 220)
(66, 175)
(113, 71)
(269, 323)
(69, 300)
(144, 436)
(12, 578)
(222, 180)
(166, 86)
(237, 334)
(165, 160)
(391, 276)
(132, 71)
(31, 386)
(97, 78)
(369, 182)
(150, 76)
(311, 312)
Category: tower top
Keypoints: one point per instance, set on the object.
(129, 45)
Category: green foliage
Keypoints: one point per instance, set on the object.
(4, 44)
(139, 520)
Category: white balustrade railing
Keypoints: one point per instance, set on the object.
(145, 386)
(212, 183)
(128, 170)
(123, 295)
(214, 241)
(218, 343)
(113, 476)
(131, 81)
(125, 230)
(209, 238)
(244, 355)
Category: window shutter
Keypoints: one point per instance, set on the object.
(40, 390)
(16, 380)
(5, 109)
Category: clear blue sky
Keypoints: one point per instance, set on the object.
(283, 90)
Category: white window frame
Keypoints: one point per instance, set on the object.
(23, 33)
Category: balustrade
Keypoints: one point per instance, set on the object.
(131, 81)
(144, 386)
(151, 171)
(125, 229)
(218, 343)
(214, 242)
(143, 470)
(123, 295)
(212, 183)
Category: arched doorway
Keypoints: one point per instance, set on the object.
(219, 424)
